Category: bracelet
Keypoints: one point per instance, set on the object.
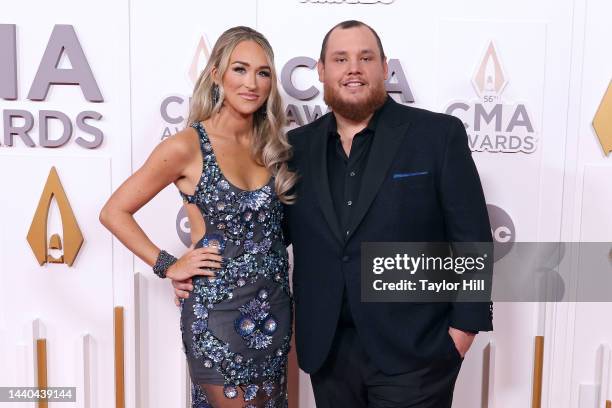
(163, 262)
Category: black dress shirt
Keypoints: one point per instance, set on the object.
(345, 175)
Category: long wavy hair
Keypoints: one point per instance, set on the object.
(270, 147)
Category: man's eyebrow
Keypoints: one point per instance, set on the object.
(364, 51)
(248, 65)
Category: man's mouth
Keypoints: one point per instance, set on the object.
(353, 84)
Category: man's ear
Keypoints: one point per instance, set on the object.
(321, 70)
(386, 68)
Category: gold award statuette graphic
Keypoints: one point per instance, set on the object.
(200, 57)
(37, 236)
(490, 77)
(602, 123)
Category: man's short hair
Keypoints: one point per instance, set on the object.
(350, 24)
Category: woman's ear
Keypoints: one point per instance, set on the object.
(214, 73)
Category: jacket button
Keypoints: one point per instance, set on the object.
(345, 258)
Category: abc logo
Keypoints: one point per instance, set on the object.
(502, 229)
(183, 229)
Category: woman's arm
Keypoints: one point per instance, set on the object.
(165, 164)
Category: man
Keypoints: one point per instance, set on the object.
(363, 354)
(377, 354)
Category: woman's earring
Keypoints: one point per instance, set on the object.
(215, 94)
(263, 110)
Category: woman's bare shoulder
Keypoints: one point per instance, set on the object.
(182, 144)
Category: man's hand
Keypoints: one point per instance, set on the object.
(181, 289)
(463, 340)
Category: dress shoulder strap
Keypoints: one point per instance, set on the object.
(206, 149)
(205, 145)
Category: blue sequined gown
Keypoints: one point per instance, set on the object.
(236, 328)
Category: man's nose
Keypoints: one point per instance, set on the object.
(354, 66)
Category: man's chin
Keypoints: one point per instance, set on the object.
(356, 97)
(353, 101)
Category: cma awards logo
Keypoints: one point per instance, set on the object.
(492, 123)
(63, 46)
(52, 249)
(502, 230)
(173, 108)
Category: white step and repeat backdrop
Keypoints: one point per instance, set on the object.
(545, 171)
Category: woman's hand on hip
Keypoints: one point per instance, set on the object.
(200, 261)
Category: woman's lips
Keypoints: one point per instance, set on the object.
(249, 96)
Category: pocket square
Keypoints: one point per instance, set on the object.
(403, 175)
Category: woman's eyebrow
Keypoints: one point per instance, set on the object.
(248, 65)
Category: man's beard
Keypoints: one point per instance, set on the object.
(355, 111)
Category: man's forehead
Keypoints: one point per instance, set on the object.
(353, 38)
(362, 33)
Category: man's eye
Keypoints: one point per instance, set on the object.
(340, 59)
(366, 58)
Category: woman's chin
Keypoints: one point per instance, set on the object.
(245, 110)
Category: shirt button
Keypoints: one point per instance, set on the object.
(349, 203)
(345, 258)
(352, 174)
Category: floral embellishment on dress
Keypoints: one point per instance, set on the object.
(198, 397)
(230, 391)
(254, 200)
(256, 325)
(250, 392)
(258, 247)
(200, 311)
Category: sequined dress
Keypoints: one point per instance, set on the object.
(236, 328)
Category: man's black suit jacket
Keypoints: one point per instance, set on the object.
(446, 204)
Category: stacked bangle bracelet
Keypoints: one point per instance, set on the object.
(163, 262)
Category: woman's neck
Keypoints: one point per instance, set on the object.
(233, 124)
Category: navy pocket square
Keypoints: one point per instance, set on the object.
(403, 175)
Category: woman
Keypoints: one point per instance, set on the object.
(230, 168)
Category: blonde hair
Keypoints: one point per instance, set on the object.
(270, 145)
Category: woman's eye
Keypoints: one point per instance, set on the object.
(239, 69)
(265, 74)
